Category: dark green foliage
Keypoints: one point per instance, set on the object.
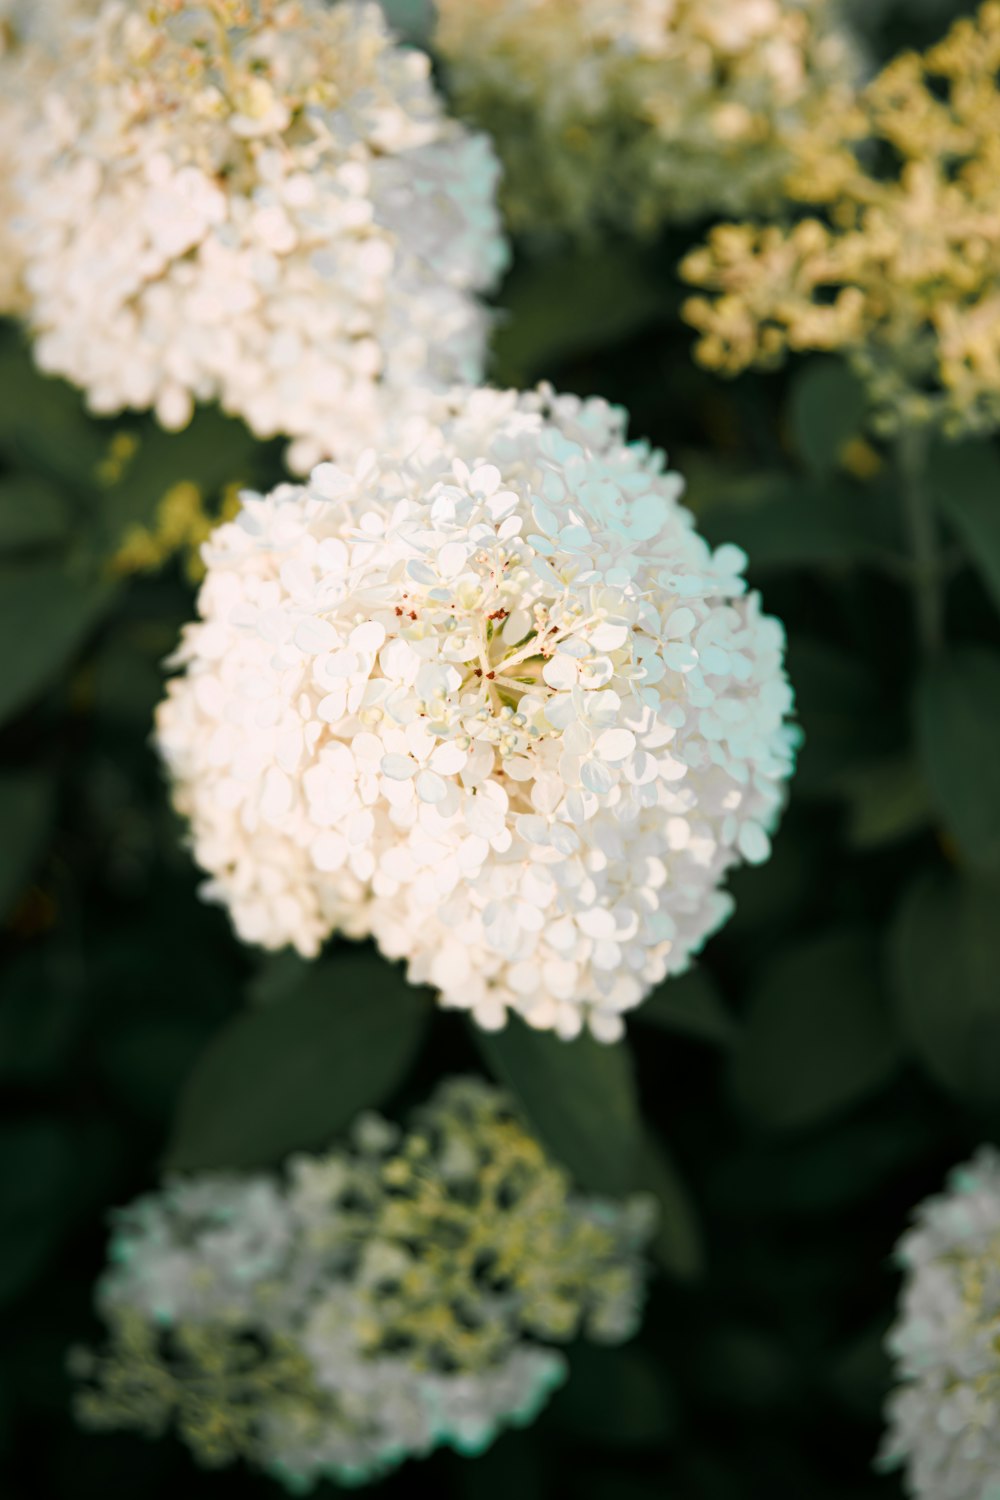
(945, 957)
(966, 483)
(555, 308)
(827, 410)
(958, 733)
(580, 1097)
(294, 1075)
(26, 818)
(61, 606)
(691, 1004)
(818, 1035)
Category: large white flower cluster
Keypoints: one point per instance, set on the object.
(489, 697)
(258, 203)
(944, 1418)
(376, 1303)
(638, 112)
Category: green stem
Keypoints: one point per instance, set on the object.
(926, 574)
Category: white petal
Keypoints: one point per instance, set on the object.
(615, 744)
(398, 767)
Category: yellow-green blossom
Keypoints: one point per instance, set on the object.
(182, 525)
(629, 113)
(898, 264)
(208, 1380)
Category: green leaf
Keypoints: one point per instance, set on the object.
(616, 1396)
(560, 306)
(965, 479)
(579, 1096)
(146, 1061)
(46, 611)
(746, 1366)
(958, 734)
(677, 1244)
(513, 1466)
(841, 708)
(279, 974)
(862, 1372)
(39, 1015)
(768, 897)
(293, 1074)
(37, 1164)
(828, 406)
(127, 678)
(212, 451)
(945, 960)
(690, 1003)
(32, 514)
(44, 425)
(818, 1036)
(793, 523)
(27, 806)
(721, 486)
(886, 801)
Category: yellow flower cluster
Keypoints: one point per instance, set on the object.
(900, 268)
(632, 113)
(209, 1381)
(472, 1204)
(182, 525)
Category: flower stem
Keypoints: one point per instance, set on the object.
(926, 572)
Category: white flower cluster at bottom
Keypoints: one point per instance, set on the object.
(379, 1302)
(944, 1418)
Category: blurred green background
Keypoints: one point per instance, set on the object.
(837, 1050)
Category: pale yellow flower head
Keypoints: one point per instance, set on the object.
(630, 113)
(899, 265)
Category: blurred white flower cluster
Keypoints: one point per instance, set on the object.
(30, 33)
(944, 1418)
(489, 697)
(632, 113)
(38, 21)
(379, 1302)
(258, 203)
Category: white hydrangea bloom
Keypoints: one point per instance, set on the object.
(321, 1325)
(638, 112)
(30, 33)
(259, 204)
(944, 1417)
(204, 1245)
(489, 697)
